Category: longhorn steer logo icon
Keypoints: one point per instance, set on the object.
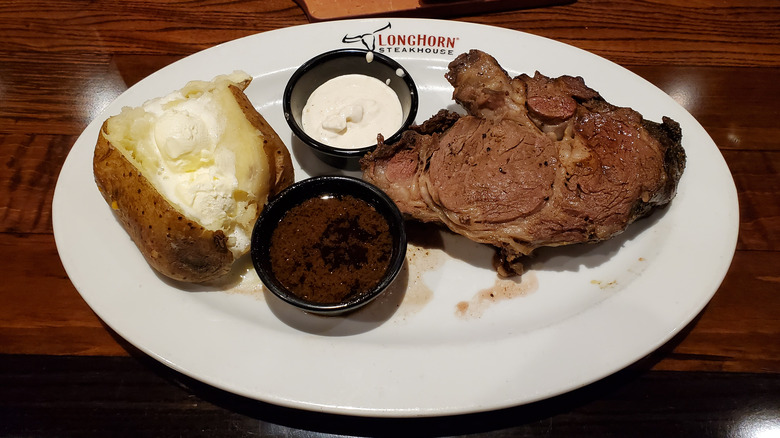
(368, 39)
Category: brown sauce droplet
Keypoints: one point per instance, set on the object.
(330, 249)
(502, 289)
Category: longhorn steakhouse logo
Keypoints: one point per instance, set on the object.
(383, 40)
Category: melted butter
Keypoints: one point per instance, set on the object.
(198, 150)
(349, 111)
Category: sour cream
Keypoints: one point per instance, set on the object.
(349, 111)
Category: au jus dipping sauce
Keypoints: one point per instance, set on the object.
(330, 249)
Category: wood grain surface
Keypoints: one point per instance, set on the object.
(116, 396)
(62, 62)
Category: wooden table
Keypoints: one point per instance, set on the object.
(63, 372)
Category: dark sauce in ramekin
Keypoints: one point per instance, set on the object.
(329, 249)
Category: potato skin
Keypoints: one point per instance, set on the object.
(177, 247)
(280, 163)
(171, 243)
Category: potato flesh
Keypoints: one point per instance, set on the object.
(199, 151)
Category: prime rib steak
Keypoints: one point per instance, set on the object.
(536, 161)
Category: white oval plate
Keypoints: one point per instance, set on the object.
(434, 345)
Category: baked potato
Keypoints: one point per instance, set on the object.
(188, 174)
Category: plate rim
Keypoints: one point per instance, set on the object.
(74, 270)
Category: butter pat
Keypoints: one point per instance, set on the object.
(199, 151)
